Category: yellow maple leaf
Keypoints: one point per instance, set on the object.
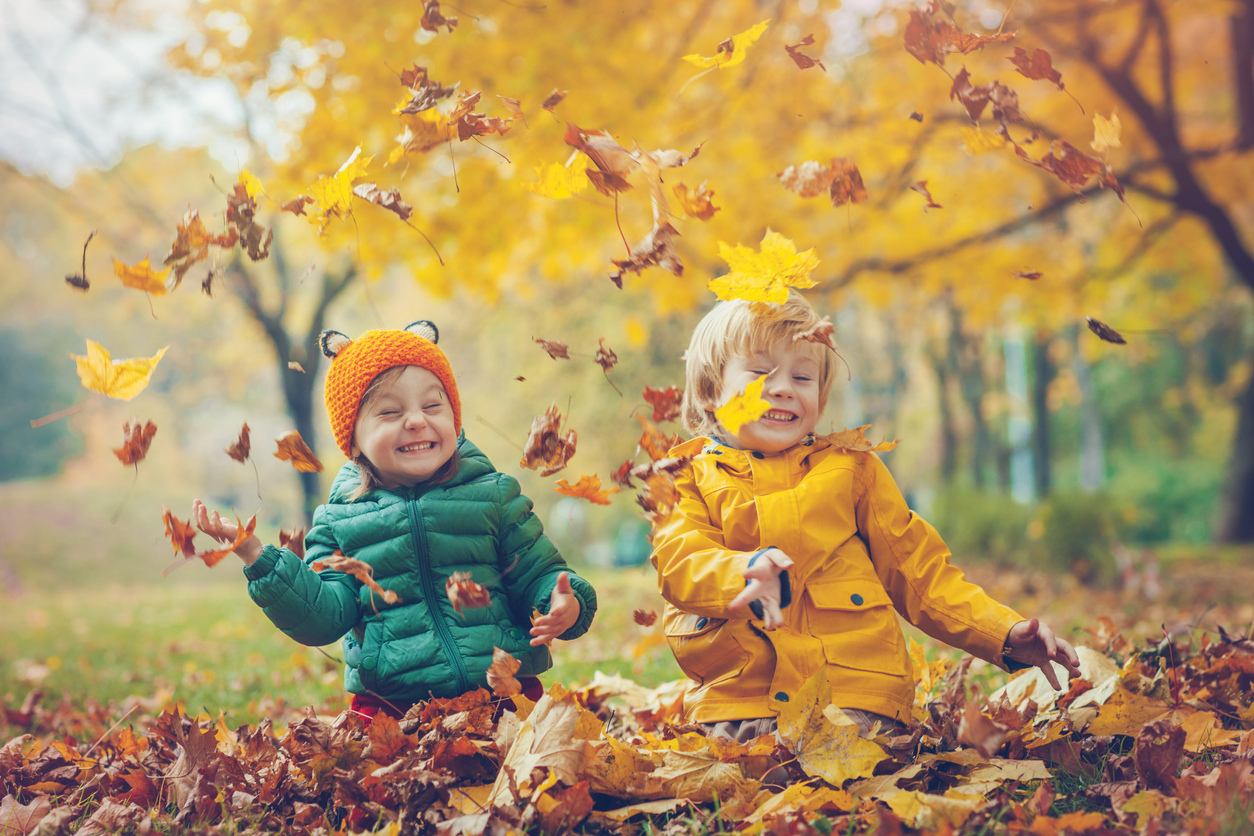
(1105, 132)
(823, 749)
(558, 181)
(979, 142)
(854, 441)
(251, 184)
(121, 379)
(141, 276)
(424, 130)
(335, 193)
(764, 276)
(729, 55)
(744, 407)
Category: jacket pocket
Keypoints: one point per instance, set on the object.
(856, 621)
(370, 657)
(704, 647)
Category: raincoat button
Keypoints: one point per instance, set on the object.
(369, 662)
(758, 455)
(701, 622)
(781, 697)
(856, 598)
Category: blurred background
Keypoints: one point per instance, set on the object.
(1071, 475)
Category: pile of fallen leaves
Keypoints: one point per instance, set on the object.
(1152, 739)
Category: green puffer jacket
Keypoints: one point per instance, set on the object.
(415, 538)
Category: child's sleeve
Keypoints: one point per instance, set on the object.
(696, 571)
(912, 561)
(313, 608)
(530, 563)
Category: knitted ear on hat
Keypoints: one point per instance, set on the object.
(355, 363)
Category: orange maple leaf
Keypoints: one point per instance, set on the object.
(464, 593)
(364, 572)
(655, 442)
(241, 447)
(501, 674)
(853, 441)
(180, 533)
(294, 449)
(696, 203)
(645, 618)
(666, 402)
(141, 276)
(136, 439)
(293, 541)
(546, 449)
(588, 487)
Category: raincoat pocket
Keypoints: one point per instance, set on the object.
(704, 647)
(856, 621)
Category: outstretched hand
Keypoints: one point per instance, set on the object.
(225, 531)
(1033, 643)
(763, 586)
(563, 612)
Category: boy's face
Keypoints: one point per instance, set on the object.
(792, 390)
(407, 430)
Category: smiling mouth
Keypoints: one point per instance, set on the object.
(777, 415)
(414, 448)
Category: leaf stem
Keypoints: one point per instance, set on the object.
(620, 225)
(499, 432)
(69, 410)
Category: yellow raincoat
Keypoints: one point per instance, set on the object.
(861, 557)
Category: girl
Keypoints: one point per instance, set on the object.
(417, 502)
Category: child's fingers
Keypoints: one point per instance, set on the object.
(1047, 668)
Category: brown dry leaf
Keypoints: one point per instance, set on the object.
(240, 211)
(696, 203)
(241, 447)
(803, 61)
(979, 731)
(974, 98)
(294, 449)
(501, 674)
(931, 40)
(1104, 331)
(916, 116)
(548, 738)
(180, 533)
(191, 245)
(654, 250)
(296, 367)
(853, 441)
(20, 819)
(514, 107)
(243, 532)
(588, 487)
(657, 496)
(1037, 66)
(823, 332)
(666, 403)
(464, 594)
(556, 349)
(655, 442)
(847, 184)
(840, 179)
(389, 200)
(546, 450)
(605, 357)
(432, 20)
(645, 618)
(79, 280)
(921, 188)
(135, 442)
(469, 123)
(1030, 275)
(363, 572)
(1070, 165)
(622, 476)
(293, 541)
(614, 163)
(297, 204)
(553, 99)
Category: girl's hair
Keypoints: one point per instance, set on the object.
(368, 478)
(739, 329)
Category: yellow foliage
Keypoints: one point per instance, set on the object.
(121, 379)
(823, 749)
(335, 193)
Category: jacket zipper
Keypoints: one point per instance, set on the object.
(429, 591)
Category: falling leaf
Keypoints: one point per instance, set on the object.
(363, 572)
(243, 532)
(666, 402)
(822, 332)
(975, 98)
(432, 20)
(334, 194)
(180, 533)
(142, 277)
(1070, 165)
(463, 593)
(470, 123)
(744, 407)
(121, 379)
(241, 211)
(921, 188)
(556, 349)
(241, 447)
(553, 99)
(655, 442)
(931, 40)
(853, 441)
(557, 181)
(297, 204)
(545, 449)
(293, 541)
(1105, 133)
(731, 51)
(191, 244)
(622, 476)
(588, 487)
(513, 106)
(1036, 67)
(296, 367)
(916, 116)
(696, 203)
(645, 618)
(824, 749)
(654, 250)
(605, 357)
(520, 378)
(250, 183)
(1104, 331)
(979, 731)
(136, 439)
(293, 448)
(977, 141)
(79, 280)
(1030, 275)
(840, 179)
(501, 674)
(389, 200)
(764, 276)
(614, 163)
(803, 61)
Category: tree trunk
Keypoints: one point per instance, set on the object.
(1092, 446)
(1236, 520)
(1042, 375)
(967, 356)
(949, 437)
(1242, 26)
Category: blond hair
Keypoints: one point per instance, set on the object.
(368, 478)
(740, 329)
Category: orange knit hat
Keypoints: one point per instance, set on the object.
(354, 363)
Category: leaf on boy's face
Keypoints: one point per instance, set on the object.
(136, 438)
(463, 593)
(294, 449)
(853, 441)
(501, 674)
(546, 450)
(744, 407)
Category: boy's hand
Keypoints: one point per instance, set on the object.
(563, 612)
(225, 531)
(763, 586)
(1033, 643)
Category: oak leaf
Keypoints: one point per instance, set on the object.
(294, 449)
(241, 211)
(390, 200)
(644, 618)
(242, 446)
(744, 407)
(853, 441)
(697, 203)
(1104, 331)
(666, 403)
(556, 349)
(432, 20)
(832, 752)
(1037, 66)
(293, 541)
(141, 276)
(656, 249)
(463, 593)
(546, 449)
(360, 570)
(803, 61)
(822, 332)
(334, 194)
(921, 188)
(136, 439)
(731, 51)
(764, 276)
(588, 487)
(121, 379)
(501, 674)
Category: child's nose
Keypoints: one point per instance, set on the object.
(415, 419)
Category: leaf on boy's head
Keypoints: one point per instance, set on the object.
(501, 674)
(464, 594)
(588, 487)
(546, 450)
(744, 407)
(294, 449)
(764, 276)
(853, 441)
(137, 437)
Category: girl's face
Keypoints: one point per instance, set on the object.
(406, 431)
(792, 389)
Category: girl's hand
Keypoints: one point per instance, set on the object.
(1035, 644)
(225, 531)
(763, 586)
(563, 612)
